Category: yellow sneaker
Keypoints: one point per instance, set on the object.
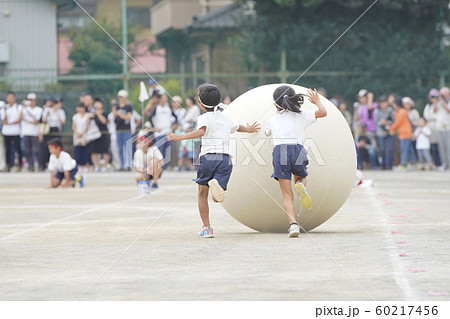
(305, 199)
(217, 190)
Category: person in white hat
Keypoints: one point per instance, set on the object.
(31, 117)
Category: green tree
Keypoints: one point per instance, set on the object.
(94, 49)
(394, 47)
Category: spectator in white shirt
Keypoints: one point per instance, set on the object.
(192, 113)
(2, 142)
(422, 135)
(11, 118)
(163, 119)
(443, 127)
(112, 132)
(430, 115)
(55, 117)
(31, 117)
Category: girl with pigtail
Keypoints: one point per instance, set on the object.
(287, 128)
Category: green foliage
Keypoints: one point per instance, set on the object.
(104, 62)
(92, 39)
(94, 49)
(172, 86)
(394, 47)
(5, 86)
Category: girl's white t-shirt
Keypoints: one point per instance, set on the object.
(422, 141)
(289, 127)
(152, 153)
(62, 163)
(219, 126)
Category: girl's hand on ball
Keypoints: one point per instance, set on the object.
(313, 96)
(255, 127)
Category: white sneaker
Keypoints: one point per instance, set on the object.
(294, 231)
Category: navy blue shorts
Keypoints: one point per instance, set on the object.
(214, 166)
(289, 159)
(60, 175)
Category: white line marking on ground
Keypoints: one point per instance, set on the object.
(55, 222)
(398, 269)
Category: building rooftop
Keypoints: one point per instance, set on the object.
(227, 17)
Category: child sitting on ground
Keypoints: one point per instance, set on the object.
(62, 166)
(214, 171)
(153, 159)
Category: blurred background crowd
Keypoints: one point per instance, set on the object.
(390, 131)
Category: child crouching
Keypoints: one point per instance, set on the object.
(62, 166)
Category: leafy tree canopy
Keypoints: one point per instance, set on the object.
(395, 46)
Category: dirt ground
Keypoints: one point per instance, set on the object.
(104, 242)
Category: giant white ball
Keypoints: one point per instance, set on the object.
(254, 198)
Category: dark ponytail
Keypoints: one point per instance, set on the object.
(286, 99)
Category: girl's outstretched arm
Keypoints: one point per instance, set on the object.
(188, 136)
(255, 127)
(313, 97)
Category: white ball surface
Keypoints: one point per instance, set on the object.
(254, 198)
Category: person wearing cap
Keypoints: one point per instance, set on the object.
(63, 168)
(122, 117)
(11, 117)
(443, 127)
(214, 127)
(154, 87)
(365, 109)
(384, 117)
(404, 132)
(31, 117)
(430, 115)
(154, 160)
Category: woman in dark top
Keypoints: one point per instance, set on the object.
(100, 145)
(122, 116)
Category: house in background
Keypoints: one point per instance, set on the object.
(28, 43)
(138, 15)
(197, 37)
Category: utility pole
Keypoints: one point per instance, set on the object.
(441, 44)
(125, 74)
(283, 67)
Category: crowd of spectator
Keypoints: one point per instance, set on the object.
(101, 141)
(389, 131)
